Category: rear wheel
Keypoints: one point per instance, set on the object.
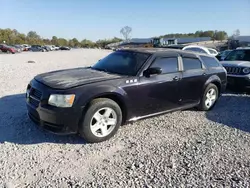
(101, 121)
(209, 98)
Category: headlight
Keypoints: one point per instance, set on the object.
(246, 70)
(63, 101)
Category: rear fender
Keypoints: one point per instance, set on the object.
(212, 79)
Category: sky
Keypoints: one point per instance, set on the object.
(103, 19)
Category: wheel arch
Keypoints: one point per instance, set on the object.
(213, 80)
(116, 97)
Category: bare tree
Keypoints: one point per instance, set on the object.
(125, 31)
(236, 33)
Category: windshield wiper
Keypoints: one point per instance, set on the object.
(100, 69)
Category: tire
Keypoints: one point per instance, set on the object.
(204, 100)
(94, 131)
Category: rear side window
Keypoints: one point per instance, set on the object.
(209, 62)
(168, 65)
(191, 63)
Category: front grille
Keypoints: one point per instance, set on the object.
(234, 70)
(35, 97)
(36, 93)
(34, 102)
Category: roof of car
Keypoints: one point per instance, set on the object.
(159, 51)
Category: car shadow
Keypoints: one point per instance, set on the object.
(232, 109)
(16, 127)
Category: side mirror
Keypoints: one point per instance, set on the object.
(151, 71)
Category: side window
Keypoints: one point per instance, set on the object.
(191, 64)
(210, 61)
(168, 65)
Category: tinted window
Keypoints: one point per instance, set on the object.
(210, 61)
(167, 65)
(191, 63)
(238, 55)
(122, 62)
(196, 50)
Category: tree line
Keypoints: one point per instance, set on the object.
(214, 35)
(12, 36)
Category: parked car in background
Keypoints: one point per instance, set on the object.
(176, 46)
(222, 55)
(48, 47)
(37, 48)
(64, 48)
(57, 48)
(26, 47)
(8, 49)
(201, 49)
(237, 64)
(213, 52)
(18, 48)
(53, 48)
(126, 85)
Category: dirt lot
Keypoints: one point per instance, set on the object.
(181, 149)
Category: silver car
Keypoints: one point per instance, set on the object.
(237, 64)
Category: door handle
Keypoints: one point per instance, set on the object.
(176, 78)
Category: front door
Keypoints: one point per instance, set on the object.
(160, 92)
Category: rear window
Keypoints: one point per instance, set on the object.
(210, 61)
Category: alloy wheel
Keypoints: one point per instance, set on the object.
(211, 97)
(103, 122)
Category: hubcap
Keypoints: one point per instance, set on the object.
(210, 98)
(103, 122)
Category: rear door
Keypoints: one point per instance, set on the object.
(193, 79)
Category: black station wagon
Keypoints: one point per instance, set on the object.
(126, 85)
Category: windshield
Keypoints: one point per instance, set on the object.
(225, 53)
(122, 62)
(238, 55)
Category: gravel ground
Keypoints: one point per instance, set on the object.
(181, 149)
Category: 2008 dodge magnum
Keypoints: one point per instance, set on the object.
(127, 85)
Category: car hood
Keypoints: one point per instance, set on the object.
(236, 63)
(69, 78)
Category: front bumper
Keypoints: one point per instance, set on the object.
(54, 119)
(241, 82)
(57, 121)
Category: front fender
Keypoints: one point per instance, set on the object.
(102, 91)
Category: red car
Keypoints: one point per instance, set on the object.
(7, 49)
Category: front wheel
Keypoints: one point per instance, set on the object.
(101, 121)
(209, 98)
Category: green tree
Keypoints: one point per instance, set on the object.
(62, 42)
(87, 43)
(54, 40)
